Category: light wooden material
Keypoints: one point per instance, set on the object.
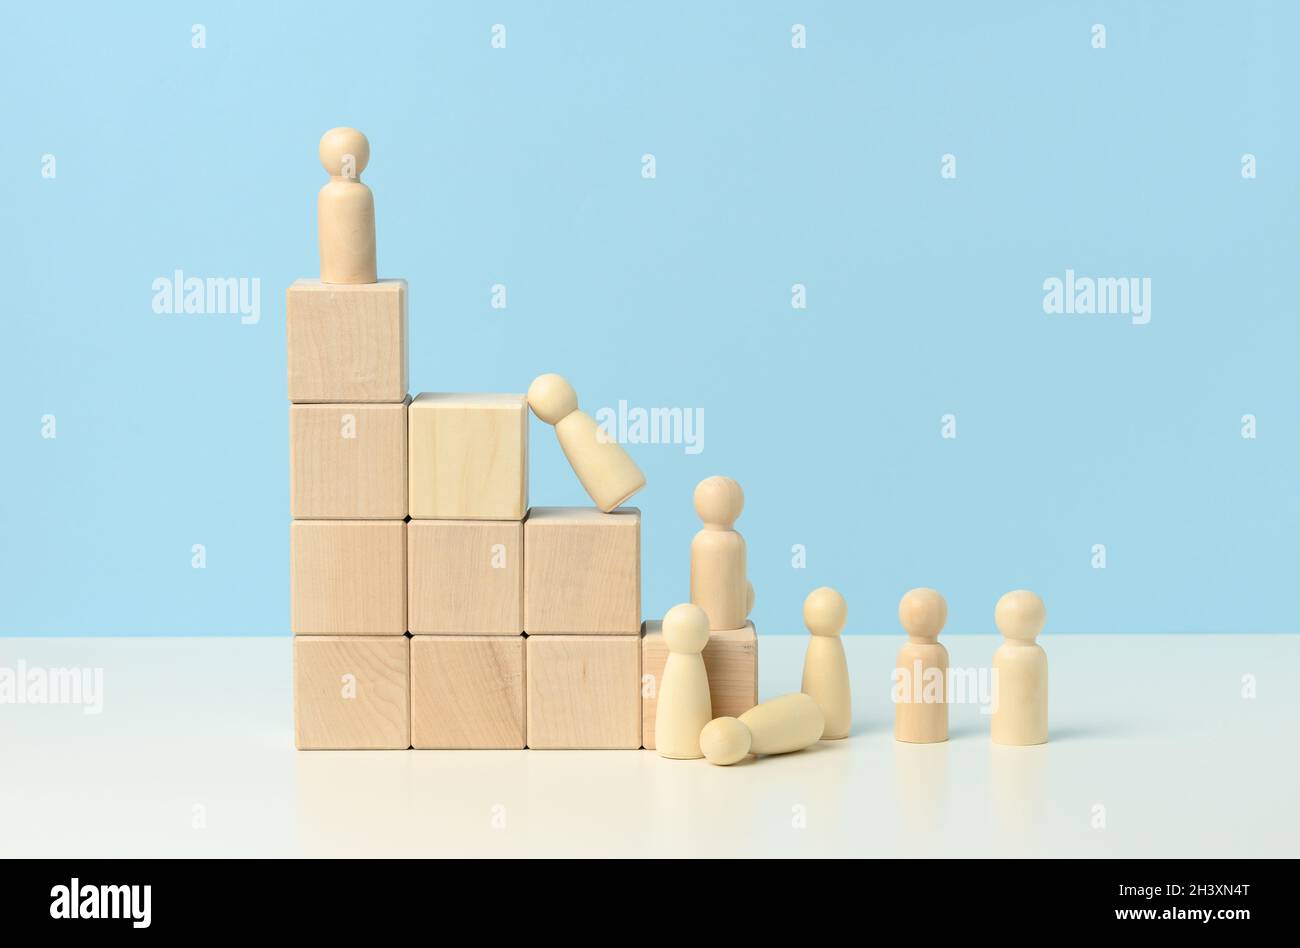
(346, 343)
(469, 457)
(825, 668)
(467, 692)
(465, 577)
(1020, 666)
(922, 670)
(345, 210)
(351, 692)
(719, 584)
(683, 707)
(606, 471)
(779, 726)
(730, 659)
(347, 577)
(583, 692)
(582, 571)
(347, 462)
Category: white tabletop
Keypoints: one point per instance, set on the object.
(192, 755)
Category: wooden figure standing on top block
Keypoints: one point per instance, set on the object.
(684, 703)
(607, 474)
(921, 675)
(825, 668)
(718, 560)
(1020, 668)
(345, 210)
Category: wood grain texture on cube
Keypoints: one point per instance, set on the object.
(465, 577)
(346, 343)
(467, 692)
(468, 456)
(347, 462)
(582, 571)
(347, 577)
(584, 692)
(731, 660)
(351, 692)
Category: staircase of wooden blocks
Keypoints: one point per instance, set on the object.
(457, 577)
(411, 632)
(430, 606)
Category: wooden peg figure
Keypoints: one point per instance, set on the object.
(921, 673)
(607, 473)
(825, 668)
(719, 584)
(1020, 670)
(684, 705)
(780, 726)
(345, 210)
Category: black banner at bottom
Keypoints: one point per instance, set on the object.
(210, 897)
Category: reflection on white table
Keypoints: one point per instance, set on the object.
(1155, 751)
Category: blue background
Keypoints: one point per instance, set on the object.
(775, 166)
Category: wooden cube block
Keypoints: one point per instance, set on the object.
(347, 343)
(469, 457)
(351, 692)
(347, 462)
(347, 577)
(584, 692)
(582, 571)
(730, 658)
(465, 577)
(467, 691)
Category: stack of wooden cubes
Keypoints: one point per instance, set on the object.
(347, 359)
(465, 556)
(582, 609)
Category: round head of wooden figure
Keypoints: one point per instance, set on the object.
(825, 611)
(725, 741)
(686, 628)
(1020, 615)
(923, 613)
(552, 398)
(344, 152)
(719, 501)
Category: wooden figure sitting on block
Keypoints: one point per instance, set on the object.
(719, 583)
(608, 474)
(345, 210)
